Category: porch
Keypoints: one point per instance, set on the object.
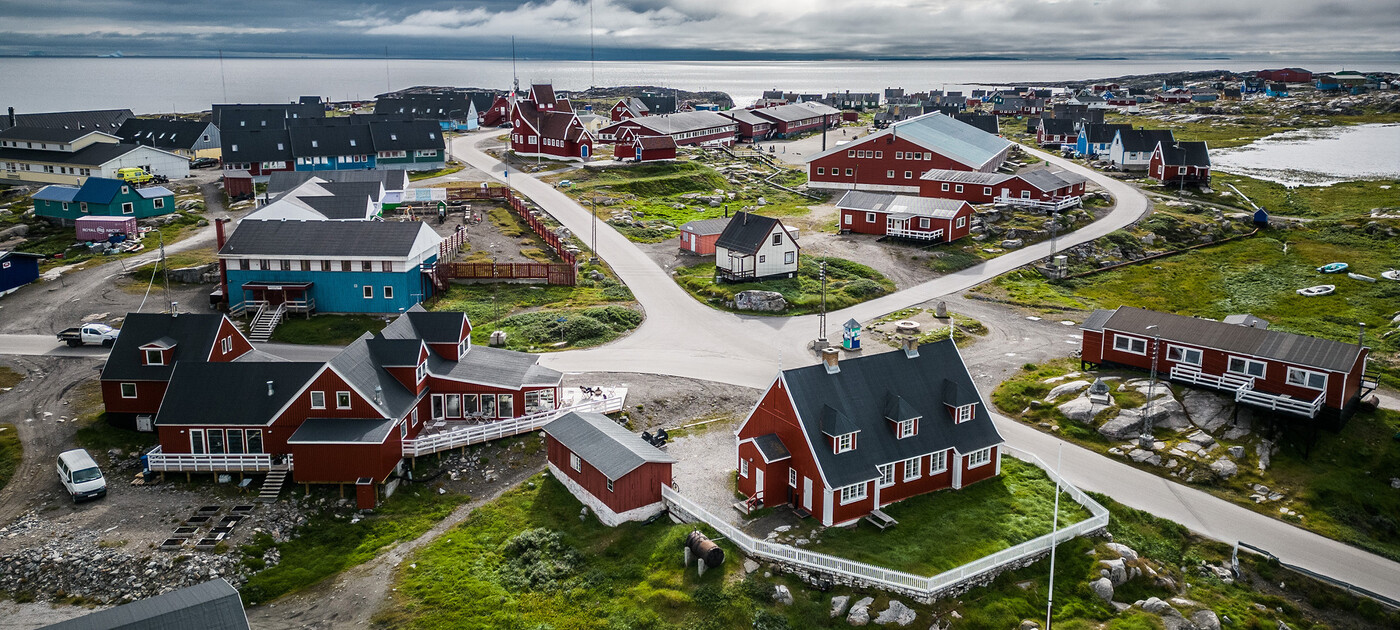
(1054, 204)
(157, 460)
(898, 226)
(1243, 388)
(741, 269)
(445, 434)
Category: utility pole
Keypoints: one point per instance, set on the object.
(1054, 531)
(1145, 440)
(821, 320)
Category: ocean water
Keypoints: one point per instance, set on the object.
(1317, 157)
(162, 85)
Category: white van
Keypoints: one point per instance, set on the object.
(80, 475)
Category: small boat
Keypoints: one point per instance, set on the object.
(1336, 267)
(1391, 275)
(1321, 289)
(1357, 276)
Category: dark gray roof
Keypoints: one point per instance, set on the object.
(343, 431)
(275, 115)
(331, 140)
(1057, 126)
(746, 232)
(771, 446)
(214, 393)
(1101, 133)
(107, 120)
(604, 444)
(1300, 350)
(494, 366)
(901, 204)
(282, 181)
(193, 333)
(796, 112)
(213, 605)
(1144, 140)
(339, 207)
(95, 154)
(659, 103)
(407, 135)
(860, 392)
(985, 122)
(46, 134)
(432, 106)
(360, 367)
(1048, 180)
(371, 189)
(163, 133)
(324, 238)
(1185, 154)
(706, 227)
(255, 145)
(1096, 320)
(430, 326)
(396, 352)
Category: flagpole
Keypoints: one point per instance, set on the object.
(1054, 529)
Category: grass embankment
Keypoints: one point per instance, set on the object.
(1342, 200)
(9, 377)
(976, 521)
(525, 561)
(326, 329)
(11, 453)
(1341, 489)
(848, 283)
(447, 170)
(189, 258)
(329, 542)
(94, 433)
(652, 192)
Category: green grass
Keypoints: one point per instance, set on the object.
(180, 260)
(848, 283)
(9, 377)
(326, 330)
(414, 176)
(561, 329)
(11, 453)
(1341, 200)
(329, 543)
(978, 520)
(98, 437)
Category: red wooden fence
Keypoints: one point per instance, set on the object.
(564, 273)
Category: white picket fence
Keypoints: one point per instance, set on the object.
(159, 461)
(925, 587)
(476, 434)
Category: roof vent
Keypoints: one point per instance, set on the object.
(270, 389)
(378, 394)
(831, 357)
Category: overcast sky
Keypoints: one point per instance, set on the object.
(702, 29)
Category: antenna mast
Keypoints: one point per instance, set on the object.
(592, 57)
(515, 78)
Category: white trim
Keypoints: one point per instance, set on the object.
(917, 463)
(979, 458)
(1229, 359)
(937, 463)
(1306, 378)
(744, 468)
(1200, 354)
(1129, 339)
(122, 388)
(854, 497)
(882, 468)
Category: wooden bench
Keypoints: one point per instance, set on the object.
(880, 519)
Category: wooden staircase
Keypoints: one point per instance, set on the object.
(272, 484)
(266, 321)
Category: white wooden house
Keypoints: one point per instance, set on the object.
(754, 247)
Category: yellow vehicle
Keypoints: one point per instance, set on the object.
(134, 175)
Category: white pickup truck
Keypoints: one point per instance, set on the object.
(89, 334)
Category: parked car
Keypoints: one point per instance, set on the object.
(89, 334)
(134, 175)
(204, 162)
(80, 475)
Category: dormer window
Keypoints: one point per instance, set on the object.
(907, 428)
(155, 357)
(462, 347)
(422, 371)
(963, 414)
(845, 442)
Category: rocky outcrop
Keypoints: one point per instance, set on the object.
(1123, 427)
(1072, 387)
(782, 595)
(1080, 409)
(1208, 410)
(1103, 587)
(838, 605)
(1224, 468)
(762, 301)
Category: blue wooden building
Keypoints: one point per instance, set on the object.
(17, 269)
(99, 196)
(329, 266)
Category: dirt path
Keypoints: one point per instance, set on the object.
(46, 389)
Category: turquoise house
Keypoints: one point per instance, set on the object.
(99, 196)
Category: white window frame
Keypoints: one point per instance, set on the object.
(610, 485)
(322, 399)
(1306, 380)
(343, 400)
(1127, 344)
(913, 468)
(1183, 354)
(965, 413)
(369, 292)
(945, 186)
(886, 473)
(159, 357)
(226, 345)
(905, 428)
(575, 463)
(744, 468)
(923, 223)
(1248, 363)
(789, 258)
(937, 463)
(962, 222)
(792, 477)
(889, 174)
(124, 389)
(852, 493)
(422, 371)
(158, 203)
(979, 458)
(845, 442)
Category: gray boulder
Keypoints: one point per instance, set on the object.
(1235, 452)
(764, 301)
(1202, 439)
(1158, 607)
(1012, 243)
(782, 595)
(897, 614)
(1027, 624)
(838, 605)
(1224, 468)
(1072, 387)
(860, 612)
(1207, 410)
(1080, 409)
(1166, 412)
(1206, 620)
(1145, 456)
(1124, 551)
(1103, 587)
(1125, 426)
(1117, 571)
(1263, 450)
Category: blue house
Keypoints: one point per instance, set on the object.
(17, 269)
(1276, 89)
(329, 266)
(102, 197)
(1097, 138)
(1327, 83)
(332, 147)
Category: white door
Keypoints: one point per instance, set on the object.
(1006, 192)
(758, 484)
(807, 494)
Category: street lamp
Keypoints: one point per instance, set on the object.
(1145, 439)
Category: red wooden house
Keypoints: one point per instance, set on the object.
(545, 126)
(497, 114)
(893, 159)
(1174, 95)
(1286, 75)
(1056, 131)
(698, 237)
(139, 368)
(798, 118)
(1274, 370)
(842, 439)
(629, 107)
(697, 128)
(902, 216)
(751, 126)
(1033, 187)
(1180, 162)
(609, 469)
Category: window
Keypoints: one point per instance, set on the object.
(1124, 343)
(82, 206)
(908, 174)
(325, 265)
(1307, 378)
(1184, 355)
(846, 442)
(284, 265)
(923, 222)
(870, 217)
(906, 429)
(792, 477)
(850, 154)
(155, 357)
(763, 258)
(488, 405)
(318, 400)
(962, 222)
(403, 430)
(345, 265)
(744, 468)
(386, 266)
(938, 462)
(437, 407)
(216, 441)
(886, 475)
(945, 186)
(366, 265)
(505, 405)
(235, 441)
(226, 345)
(879, 155)
(927, 156)
(964, 414)
(342, 400)
(889, 174)
(245, 264)
(574, 462)
(126, 190)
(1025, 194)
(987, 190)
(850, 172)
(369, 292)
(853, 493)
(197, 441)
(422, 371)
(958, 188)
(128, 390)
(1248, 367)
(789, 258)
(898, 155)
(777, 239)
(979, 458)
(911, 468)
(388, 292)
(821, 171)
(304, 265)
(127, 208)
(254, 441)
(158, 203)
(846, 219)
(610, 485)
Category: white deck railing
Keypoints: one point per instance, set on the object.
(1226, 382)
(1055, 204)
(476, 434)
(1280, 402)
(880, 577)
(159, 461)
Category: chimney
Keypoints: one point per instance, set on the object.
(174, 310)
(12, 116)
(831, 357)
(910, 345)
(270, 389)
(378, 394)
(219, 236)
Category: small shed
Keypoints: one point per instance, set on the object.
(699, 236)
(238, 183)
(212, 605)
(610, 470)
(850, 335)
(17, 269)
(94, 229)
(654, 148)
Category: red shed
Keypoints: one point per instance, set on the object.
(612, 471)
(1180, 162)
(238, 183)
(842, 439)
(699, 236)
(919, 218)
(653, 148)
